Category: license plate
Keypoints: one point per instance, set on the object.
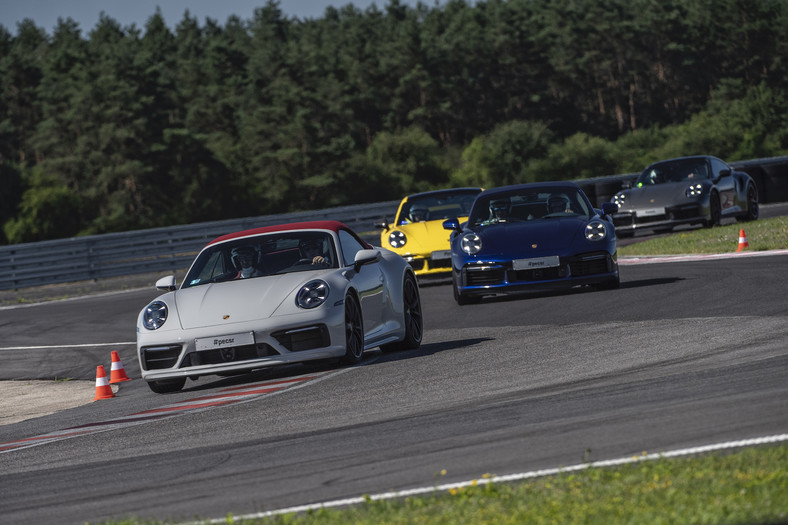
(225, 341)
(652, 211)
(536, 262)
(441, 255)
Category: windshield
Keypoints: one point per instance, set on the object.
(269, 254)
(528, 205)
(437, 206)
(673, 171)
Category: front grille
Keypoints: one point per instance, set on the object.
(159, 357)
(484, 276)
(624, 219)
(416, 264)
(300, 339)
(537, 274)
(440, 263)
(227, 355)
(688, 211)
(590, 264)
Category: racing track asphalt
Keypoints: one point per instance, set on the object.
(684, 354)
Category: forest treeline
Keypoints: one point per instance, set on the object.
(114, 128)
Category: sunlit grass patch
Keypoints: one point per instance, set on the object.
(767, 234)
(735, 487)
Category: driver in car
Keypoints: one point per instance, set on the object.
(312, 251)
(244, 258)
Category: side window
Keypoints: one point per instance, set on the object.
(349, 246)
(211, 266)
(717, 166)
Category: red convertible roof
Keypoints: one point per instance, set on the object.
(334, 226)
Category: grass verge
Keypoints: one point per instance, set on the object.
(767, 234)
(744, 486)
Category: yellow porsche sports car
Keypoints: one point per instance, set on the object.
(417, 233)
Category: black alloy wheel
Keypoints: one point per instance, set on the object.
(414, 322)
(715, 210)
(354, 331)
(753, 210)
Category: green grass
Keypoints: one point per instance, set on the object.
(745, 486)
(767, 234)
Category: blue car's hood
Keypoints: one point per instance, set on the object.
(531, 238)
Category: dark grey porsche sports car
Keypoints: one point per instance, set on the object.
(687, 190)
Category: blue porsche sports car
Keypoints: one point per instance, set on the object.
(532, 237)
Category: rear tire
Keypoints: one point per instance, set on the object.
(167, 386)
(354, 331)
(753, 210)
(414, 323)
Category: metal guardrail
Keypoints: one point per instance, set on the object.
(173, 248)
(158, 249)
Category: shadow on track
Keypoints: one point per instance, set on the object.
(211, 382)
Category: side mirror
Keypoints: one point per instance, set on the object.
(452, 224)
(609, 208)
(383, 225)
(166, 283)
(364, 257)
(725, 173)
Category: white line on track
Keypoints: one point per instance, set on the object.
(698, 257)
(508, 478)
(83, 345)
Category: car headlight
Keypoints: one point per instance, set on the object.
(471, 243)
(155, 315)
(312, 294)
(595, 231)
(397, 239)
(619, 199)
(695, 190)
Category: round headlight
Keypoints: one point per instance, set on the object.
(312, 294)
(595, 231)
(695, 190)
(471, 243)
(397, 239)
(155, 315)
(620, 199)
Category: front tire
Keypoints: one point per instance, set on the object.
(462, 299)
(167, 386)
(612, 284)
(715, 210)
(354, 331)
(414, 323)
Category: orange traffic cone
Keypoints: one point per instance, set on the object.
(742, 241)
(117, 373)
(103, 390)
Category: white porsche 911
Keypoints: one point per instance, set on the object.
(278, 295)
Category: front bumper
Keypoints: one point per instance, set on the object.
(494, 277)
(173, 353)
(435, 263)
(689, 213)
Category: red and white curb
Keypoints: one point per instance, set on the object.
(223, 397)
